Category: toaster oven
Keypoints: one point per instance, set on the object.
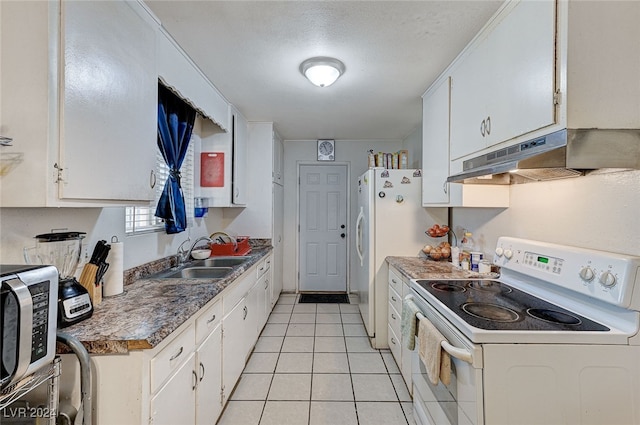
(28, 320)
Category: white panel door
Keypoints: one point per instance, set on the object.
(323, 228)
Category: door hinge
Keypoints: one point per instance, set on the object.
(58, 177)
(557, 97)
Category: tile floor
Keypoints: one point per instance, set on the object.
(313, 365)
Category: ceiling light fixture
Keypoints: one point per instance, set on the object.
(322, 71)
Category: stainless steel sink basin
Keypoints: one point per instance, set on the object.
(225, 261)
(199, 273)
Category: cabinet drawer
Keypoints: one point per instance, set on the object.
(208, 320)
(264, 266)
(394, 346)
(171, 357)
(394, 319)
(395, 281)
(237, 292)
(395, 299)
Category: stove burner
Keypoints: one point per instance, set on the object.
(553, 316)
(447, 287)
(492, 312)
(490, 286)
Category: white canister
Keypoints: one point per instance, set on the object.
(476, 258)
(455, 256)
(484, 266)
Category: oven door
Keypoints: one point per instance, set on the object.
(460, 402)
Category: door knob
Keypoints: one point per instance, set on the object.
(342, 235)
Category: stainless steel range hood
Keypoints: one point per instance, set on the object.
(565, 153)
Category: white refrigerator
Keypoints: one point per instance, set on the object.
(391, 222)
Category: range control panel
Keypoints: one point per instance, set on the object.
(607, 276)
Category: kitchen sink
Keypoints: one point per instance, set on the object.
(198, 273)
(225, 261)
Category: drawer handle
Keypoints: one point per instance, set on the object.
(246, 311)
(195, 380)
(393, 280)
(393, 340)
(266, 284)
(175, 356)
(393, 298)
(393, 316)
(201, 371)
(212, 319)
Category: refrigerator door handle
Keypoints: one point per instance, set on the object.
(359, 236)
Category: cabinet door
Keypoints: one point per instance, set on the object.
(252, 317)
(174, 403)
(278, 159)
(109, 102)
(209, 366)
(239, 180)
(470, 94)
(522, 70)
(504, 86)
(278, 244)
(233, 346)
(435, 146)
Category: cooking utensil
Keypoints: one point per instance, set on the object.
(63, 250)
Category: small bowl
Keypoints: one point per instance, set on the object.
(200, 254)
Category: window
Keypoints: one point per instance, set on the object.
(142, 219)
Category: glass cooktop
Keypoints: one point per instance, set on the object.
(493, 305)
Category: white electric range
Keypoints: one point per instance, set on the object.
(554, 340)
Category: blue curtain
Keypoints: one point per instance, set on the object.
(175, 124)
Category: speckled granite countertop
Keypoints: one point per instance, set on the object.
(149, 310)
(422, 268)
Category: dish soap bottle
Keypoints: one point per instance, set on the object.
(467, 247)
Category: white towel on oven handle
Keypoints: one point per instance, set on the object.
(436, 360)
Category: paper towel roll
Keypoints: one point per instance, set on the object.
(114, 277)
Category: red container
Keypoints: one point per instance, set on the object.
(243, 247)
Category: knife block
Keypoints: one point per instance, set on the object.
(88, 281)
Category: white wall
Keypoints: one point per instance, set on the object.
(413, 144)
(351, 152)
(18, 226)
(595, 211)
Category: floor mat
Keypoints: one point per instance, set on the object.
(324, 298)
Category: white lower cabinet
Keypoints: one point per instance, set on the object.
(233, 355)
(189, 377)
(192, 395)
(209, 372)
(174, 403)
(398, 289)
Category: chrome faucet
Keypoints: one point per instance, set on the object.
(183, 255)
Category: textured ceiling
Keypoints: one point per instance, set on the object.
(393, 50)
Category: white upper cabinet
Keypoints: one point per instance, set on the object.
(180, 73)
(436, 167)
(543, 66)
(109, 102)
(240, 136)
(80, 107)
(503, 84)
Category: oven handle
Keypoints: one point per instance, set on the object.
(458, 353)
